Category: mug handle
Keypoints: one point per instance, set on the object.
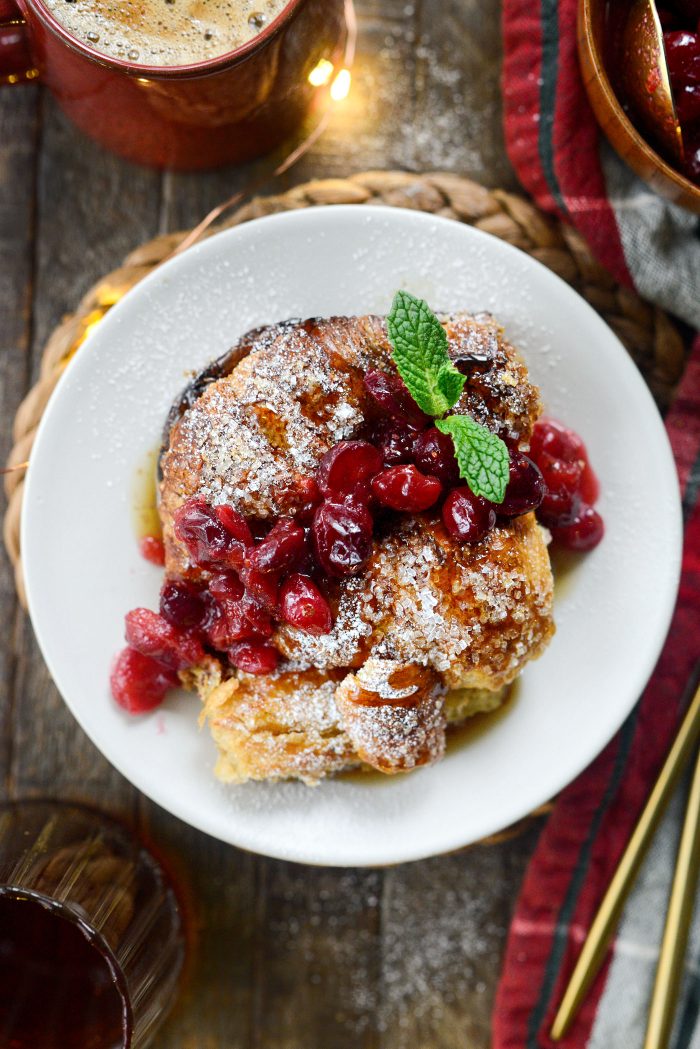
(16, 65)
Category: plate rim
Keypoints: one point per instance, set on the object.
(455, 841)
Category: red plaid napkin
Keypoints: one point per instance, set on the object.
(646, 243)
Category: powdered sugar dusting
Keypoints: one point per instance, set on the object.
(470, 615)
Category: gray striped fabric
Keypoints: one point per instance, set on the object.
(621, 1018)
(661, 241)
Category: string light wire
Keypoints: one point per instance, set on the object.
(339, 88)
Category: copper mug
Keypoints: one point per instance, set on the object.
(225, 110)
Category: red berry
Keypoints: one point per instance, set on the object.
(589, 487)
(525, 489)
(152, 635)
(254, 657)
(226, 586)
(262, 587)
(559, 508)
(342, 537)
(682, 57)
(583, 533)
(182, 604)
(434, 453)
(139, 683)
(304, 606)
(406, 488)
(152, 549)
(562, 498)
(687, 102)
(280, 550)
(347, 468)
(242, 620)
(557, 440)
(395, 443)
(310, 498)
(212, 534)
(467, 517)
(559, 475)
(391, 394)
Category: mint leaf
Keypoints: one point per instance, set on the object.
(483, 458)
(420, 353)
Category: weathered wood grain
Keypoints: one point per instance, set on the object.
(286, 957)
(19, 131)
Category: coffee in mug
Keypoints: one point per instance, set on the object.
(165, 32)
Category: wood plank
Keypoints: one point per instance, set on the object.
(459, 124)
(19, 126)
(319, 962)
(91, 209)
(444, 924)
(220, 890)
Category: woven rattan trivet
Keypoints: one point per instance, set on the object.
(652, 340)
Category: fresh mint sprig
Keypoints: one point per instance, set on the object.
(420, 355)
(482, 457)
(419, 345)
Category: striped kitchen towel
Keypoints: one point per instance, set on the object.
(653, 246)
(592, 822)
(566, 164)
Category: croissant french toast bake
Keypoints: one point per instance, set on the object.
(343, 579)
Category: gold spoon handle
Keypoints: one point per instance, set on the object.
(680, 911)
(609, 912)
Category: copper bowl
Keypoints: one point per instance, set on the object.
(621, 133)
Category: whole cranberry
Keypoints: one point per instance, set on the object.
(182, 605)
(212, 534)
(280, 550)
(525, 489)
(434, 453)
(557, 440)
(152, 635)
(406, 488)
(342, 537)
(560, 475)
(559, 508)
(262, 587)
(467, 517)
(391, 394)
(309, 495)
(682, 57)
(139, 683)
(242, 620)
(395, 442)
(687, 102)
(303, 605)
(346, 468)
(226, 585)
(583, 533)
(254, 657)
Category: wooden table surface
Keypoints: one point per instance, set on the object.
(288, 957)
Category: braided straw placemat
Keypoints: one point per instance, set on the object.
(650, 337)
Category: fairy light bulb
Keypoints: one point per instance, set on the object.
(321, 73)
(340, 88)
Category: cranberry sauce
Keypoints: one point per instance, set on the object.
(256, 575)
(570, 486)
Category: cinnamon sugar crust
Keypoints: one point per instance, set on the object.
(449, 615)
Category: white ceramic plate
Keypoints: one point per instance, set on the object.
(83, 569)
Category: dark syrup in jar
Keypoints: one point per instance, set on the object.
(57, 989)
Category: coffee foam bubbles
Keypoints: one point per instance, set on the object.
(165, 32)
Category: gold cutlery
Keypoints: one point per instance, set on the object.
(682, 894)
